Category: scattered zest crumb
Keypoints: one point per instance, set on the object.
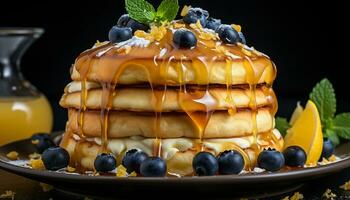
(13, 155)
(346, 186)
(70, 169)
(237, 27)
(46, 187)
(332, 158)
(121, 171)
(34, 156)
(185, 10)
(296, 196)
(133, 174)
(35, 141)
(8, 195)
(36, 164)
(329, 195)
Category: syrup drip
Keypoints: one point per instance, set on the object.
(197, 103)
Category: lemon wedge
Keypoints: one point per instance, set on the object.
(306, 132)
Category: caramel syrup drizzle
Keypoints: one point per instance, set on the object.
(111, 65)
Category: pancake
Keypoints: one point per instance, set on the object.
(178, 152)
(172, 125)
(143, 99)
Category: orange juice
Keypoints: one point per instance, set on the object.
(20, 117)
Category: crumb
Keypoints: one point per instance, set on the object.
(36, 164)
(185, 10)
(329, 195)
(332, 158)
(70, 169)
(121, 171)
(13, 155)
(296, 196)
(133, 174)
(237, 27)
(346, 186)
(34, 156)
(178, 25)
(46, 187)
(35, 141)
(8, 195)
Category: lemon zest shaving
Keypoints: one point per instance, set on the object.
(8, 195)
(329, 194)
(13, 155)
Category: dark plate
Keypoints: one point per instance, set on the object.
(248, 185)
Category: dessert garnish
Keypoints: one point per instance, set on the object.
(42, 141)
(36, 164)
(12, 155)
(329, 195)
(230, 162)
(105, 163)
(55, 158)
(295, 196)
(8, 195)
(133, 159)
(294, 156)
(345, 186)
(205, 164)
(271, 160)
(153, 167)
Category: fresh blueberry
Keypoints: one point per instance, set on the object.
(328, 149)
(105, 162)
(119, 34)
(153, 167)
(195, 14)
(205, 164)
(228, 34)
(133, 159)
(242, 38)
(271, 160)
(123, 20)
(42, 141)
(184, 39)
(135, 25)
(294, 156)
(230, 162)
(213, 23)
(55, 158)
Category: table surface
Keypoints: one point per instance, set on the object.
(27, 189)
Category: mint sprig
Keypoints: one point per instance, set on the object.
(333, 127)
(144, 12)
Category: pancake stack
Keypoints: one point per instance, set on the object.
(144, 93)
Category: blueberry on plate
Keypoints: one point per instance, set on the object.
(119, 34)
(242, 38)
(133, 159)
(123, 20)
(153, 167)
(135, 25)
(327, 149)
(228, 34)
(230, 162)
(184, 39)
(294, 156)
(195, 14)
(42, 141)
(205, 164)
(105, 162)
(270, 160)
(55, 158)
(213, 23)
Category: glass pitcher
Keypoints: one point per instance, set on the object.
(23, 109)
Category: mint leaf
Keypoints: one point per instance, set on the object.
(140, 10)
(167, 10)
(341, 125)
(324, 97)
(330, 134)
(282, 125)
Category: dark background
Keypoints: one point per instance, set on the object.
(304, 39)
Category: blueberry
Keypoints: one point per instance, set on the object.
(42, 141)
(133, 159)
(294, 156)
(123, 20)
(230, 162)
(328, 149)
(205, 164)
(213, 23)
(55, 158)
(242, 38)
(119, 34)
(228, 34)
(135, 25)
(271, 160)
(195, 14)
(153, 167)
(184, 39)
(105, 162)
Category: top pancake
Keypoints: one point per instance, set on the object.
(159, 62)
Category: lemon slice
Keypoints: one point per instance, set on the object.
(306, 132)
